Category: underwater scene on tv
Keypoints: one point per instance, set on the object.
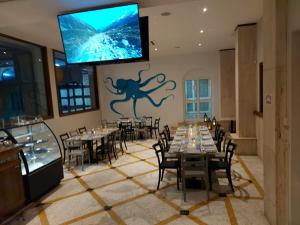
(101, 35)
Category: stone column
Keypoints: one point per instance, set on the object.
(275, 120)
(246, 88)
(227, 84)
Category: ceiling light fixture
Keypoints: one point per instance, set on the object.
(177, 47)
(156, 49)
(201, 31)
(199, 44)
(204, 9)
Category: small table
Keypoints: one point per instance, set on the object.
(91, 135)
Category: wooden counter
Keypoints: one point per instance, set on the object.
(12, 195)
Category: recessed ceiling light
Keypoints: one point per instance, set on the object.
(201, 31)
(200, 44)
(156, 49)
(4, 52)
(166, 14)
(204, 9)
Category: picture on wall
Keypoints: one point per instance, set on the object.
(134, 90)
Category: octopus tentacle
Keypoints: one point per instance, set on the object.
(141, 71)
(161, 85)
(160, 78)
(111, 81)
(112, 84)
(113, 102)
(134, 107)
(161, 101)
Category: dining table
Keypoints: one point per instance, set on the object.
(196, 140)
(91, 135)
(193, 140)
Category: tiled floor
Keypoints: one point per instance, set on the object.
(122, 194)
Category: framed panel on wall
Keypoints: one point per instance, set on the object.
(24, 80)
(77, 89)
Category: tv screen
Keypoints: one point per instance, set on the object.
(102, 35)
(7, 70)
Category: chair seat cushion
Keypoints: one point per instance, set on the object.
(170, 164)
(194, 173)
(218, 165)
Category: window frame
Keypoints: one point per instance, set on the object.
(198, 100)
(95, 80)
(46, 73)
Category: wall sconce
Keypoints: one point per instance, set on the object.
(205, 117)
(209, 124)
(214, 121)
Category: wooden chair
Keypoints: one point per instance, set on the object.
(219, 140)
(217, 130)
(194, 166)
(155, 127)
(166, 127)
(81, 130)
(148, 124)
(128, 130)
(64, 137)
(107, 148)
(224, 164)
(164, 163)
(73, 133)
(75, 149)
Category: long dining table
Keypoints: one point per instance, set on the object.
(94, 134)
(193, 140)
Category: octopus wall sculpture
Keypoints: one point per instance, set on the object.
(132, 89)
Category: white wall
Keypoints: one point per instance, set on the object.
(176, 68)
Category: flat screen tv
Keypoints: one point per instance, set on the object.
(7, 70)
(105, 35)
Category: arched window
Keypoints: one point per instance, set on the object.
(198, 95)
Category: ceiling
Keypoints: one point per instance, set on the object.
(178, 33)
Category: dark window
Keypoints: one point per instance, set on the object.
(261, 87)
(24, 80)
(76, 86)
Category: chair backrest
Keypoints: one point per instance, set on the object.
(167, 129)
(194, 162)
(226, 141)
(73, 133)
(111, 124)
(72, 145)
(164, 139)
(82, 130)
(126, 125)
(156, 123)
(229, 151)
(159, 151)
(148, 121)
(64, 137)
(217, 130)
(220, 140)
(111, 139)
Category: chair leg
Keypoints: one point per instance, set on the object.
(209, 179)
(229, 179)
(159, 175)
(82, 162)
(114, 152)
(184, 189)
(109, 157)
(162, 175)
(155, 134)
(178, 179)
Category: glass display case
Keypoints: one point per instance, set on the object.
(41, 156)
